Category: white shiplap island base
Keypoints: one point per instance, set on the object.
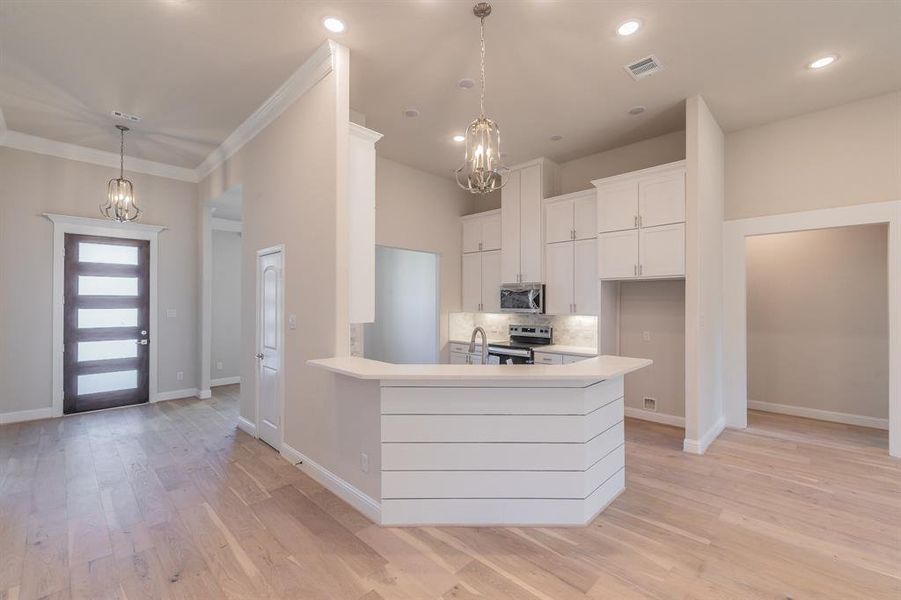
(497, 444)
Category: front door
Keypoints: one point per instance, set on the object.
(106, 322)
(269, 346)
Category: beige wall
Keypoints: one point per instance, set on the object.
(658, 309)
(818, 319)
(225, 334)
(704, 193)
(576, 175)
(33, 184)
(849, 154)
(420, 211)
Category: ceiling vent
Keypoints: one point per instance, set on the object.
(644, 67)
(118, 114)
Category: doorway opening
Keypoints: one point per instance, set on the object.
(406, 326)
(818, 330)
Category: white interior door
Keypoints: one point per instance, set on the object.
(270, 283)
(491, 281)
(559, 278)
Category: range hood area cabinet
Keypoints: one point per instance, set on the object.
(361, 223)
(521, 242)
(570, 254)
(481, 262)
(641, 224)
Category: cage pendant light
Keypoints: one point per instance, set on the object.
(120, 193)
(482, 171)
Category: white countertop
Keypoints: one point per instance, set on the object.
(551, 348)
(577, 374)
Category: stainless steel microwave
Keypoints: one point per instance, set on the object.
(522, 298)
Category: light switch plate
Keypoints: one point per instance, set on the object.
(292, 321)
(646, 336)
(170, 312)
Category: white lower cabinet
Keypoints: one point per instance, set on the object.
(569, 358)
(546, 358)
(481, 281)
(460, 358)
(649, 252)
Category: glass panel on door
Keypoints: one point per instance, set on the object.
(107, 350)
(111, 254)
(107, 382)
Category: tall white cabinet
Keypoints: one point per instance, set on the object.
(481, 261)
(570, 254)
(641, 224)
(361, 224)
(521, 233)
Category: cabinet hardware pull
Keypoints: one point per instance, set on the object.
(640, 269)
(635, 270)
(574, 307)
(640, 220)
(480, 245)
(635, 220)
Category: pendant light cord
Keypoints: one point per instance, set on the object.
(482, 40)
(121, 154)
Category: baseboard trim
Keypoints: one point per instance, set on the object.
(822, 415)
(204, 394)
(20, 416)
(370, 508)
(700, 446)
(247, 426)
(225, 381)
(175, 395)
(656, 417)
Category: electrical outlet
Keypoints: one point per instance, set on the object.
(650, 404)
(170, 313)
(219, 366)
(364, 462)
(292, 321)
(646, 336)
(180, 375)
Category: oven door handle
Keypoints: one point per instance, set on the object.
(509, 352)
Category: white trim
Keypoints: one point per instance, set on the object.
(700, 446)
(277, 249)
(592, 193)
(735, 335)
(656, 417)
(822, 415)
(205, 394)
(218, 224)
(364, 133)
(32, 143)
(26, 415)
(655, 170)
(175, 395)
(368, 506)
(247, 426)
(477, 215)
(305, 77)
(225, 381)
(63, 224)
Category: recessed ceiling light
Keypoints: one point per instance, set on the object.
(332, 24)
(556, 138)
(466, 83)
(825, 61)
(411, 112)
(629, 27)
(459, 138)
(637, 110)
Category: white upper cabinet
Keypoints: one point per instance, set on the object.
(661, 200)
(558, 222)
(585, 208)
(482, 231)
(570, 217)
(521, 233)
(585, 277)
(472, 282)
(570, 254)
(491, 281)
(649, 242)
(558, 278)
(361, 224)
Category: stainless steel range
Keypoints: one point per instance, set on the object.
(518, 350)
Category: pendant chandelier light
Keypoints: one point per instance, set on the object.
(482, 171)
(120, 193)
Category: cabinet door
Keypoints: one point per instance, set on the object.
(510, 229)
(457, 358)
(663, 251)
(472, 235)
(585, 216)
(472, 282)
(559, 278)
(618, 255)
(491, 281)
(491, 232)
(585, 277)
(568, 359)
(661, 200)
(617, 206)
(543, 358)
(558, 221)
(530, 246)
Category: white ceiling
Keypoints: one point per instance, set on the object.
(195, 69)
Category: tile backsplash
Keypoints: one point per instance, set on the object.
(568, 330)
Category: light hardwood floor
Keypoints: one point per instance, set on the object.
(170, 501)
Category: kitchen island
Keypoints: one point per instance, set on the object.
(496, 444)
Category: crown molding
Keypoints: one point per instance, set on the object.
(102, 223)
(32, 143)
(305, 77)
(363, 133)
(218, 224)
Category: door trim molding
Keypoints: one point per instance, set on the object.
(63, 224)
(279, 248)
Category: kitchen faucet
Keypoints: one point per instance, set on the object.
(472, 344)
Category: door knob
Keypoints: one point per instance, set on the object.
(142, 342)
(260, 356)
